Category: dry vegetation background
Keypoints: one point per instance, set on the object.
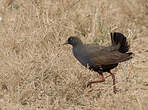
(38, 73)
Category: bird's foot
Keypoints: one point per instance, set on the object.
(115, 91)
(89, 84)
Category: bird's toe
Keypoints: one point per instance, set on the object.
(89, 84)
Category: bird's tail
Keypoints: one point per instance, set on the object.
(120, 41)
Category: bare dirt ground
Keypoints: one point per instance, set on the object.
(38, 73)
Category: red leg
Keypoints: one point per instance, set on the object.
(114, 86)
(93, 82)
(107, 76)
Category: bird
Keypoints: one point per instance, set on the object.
(101, 58)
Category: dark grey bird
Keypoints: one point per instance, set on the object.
(100, 58)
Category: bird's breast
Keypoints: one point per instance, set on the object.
(81, 56)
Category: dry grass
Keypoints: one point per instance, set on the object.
(38, 73)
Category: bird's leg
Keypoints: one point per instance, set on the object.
(107, 76)
(114, 86)
(93, 82)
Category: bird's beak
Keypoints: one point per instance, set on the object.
(65, 43)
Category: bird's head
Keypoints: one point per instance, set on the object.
(74, 41)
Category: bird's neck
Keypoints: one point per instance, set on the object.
(78, 49)
(80, 45)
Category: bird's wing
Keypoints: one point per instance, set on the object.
(105, 55)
